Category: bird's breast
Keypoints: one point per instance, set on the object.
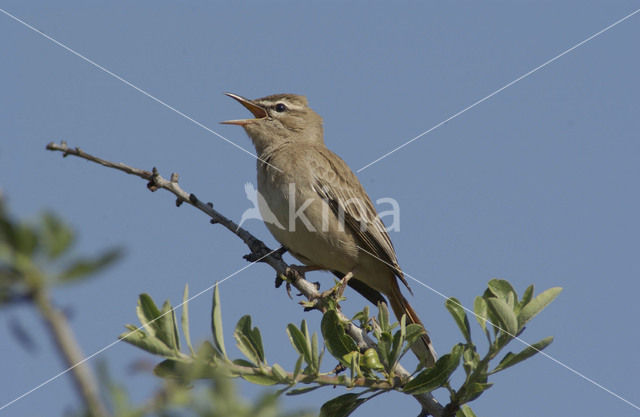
(306, 225)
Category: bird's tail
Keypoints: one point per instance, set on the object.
(422, 348)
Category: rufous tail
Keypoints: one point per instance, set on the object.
(422, 348)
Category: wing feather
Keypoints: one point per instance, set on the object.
(340, 188)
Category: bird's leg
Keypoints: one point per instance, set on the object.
(294, 272)
(297, 271)
(306, 268)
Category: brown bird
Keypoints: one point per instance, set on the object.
(326, 219)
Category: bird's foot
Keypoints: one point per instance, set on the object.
(301, 270)
(293, 273)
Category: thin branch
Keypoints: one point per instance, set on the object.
(430, 405)
(320, 379)
(156, 181)
(61, 333)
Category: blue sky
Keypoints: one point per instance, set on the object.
(538, 184)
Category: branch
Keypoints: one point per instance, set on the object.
(65, 340)
(259, 251)
(23, 248)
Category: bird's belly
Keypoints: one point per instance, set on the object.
(308, 228)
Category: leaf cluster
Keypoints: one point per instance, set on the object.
(499, 312)
(37, 255)
(371, 369)
(502, 318)
(217, 397)
(27, 249)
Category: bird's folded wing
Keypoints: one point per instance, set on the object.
(339, 187)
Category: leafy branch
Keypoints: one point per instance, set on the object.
(368, 365)
(371, 370)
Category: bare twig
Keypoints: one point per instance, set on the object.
(156, 181)
(430, 405)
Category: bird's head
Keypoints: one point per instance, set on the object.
(279, 118)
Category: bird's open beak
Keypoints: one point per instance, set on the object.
(257, 111)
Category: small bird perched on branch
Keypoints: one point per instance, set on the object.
(329, 220)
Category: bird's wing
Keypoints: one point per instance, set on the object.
(339, 187)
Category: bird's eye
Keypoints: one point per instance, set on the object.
(280, 107)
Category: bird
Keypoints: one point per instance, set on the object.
(329, 220)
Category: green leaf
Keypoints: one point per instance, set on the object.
(473, 390)
(299, 391)
(243, 362)
(480, 310)
(298, 367)
(184, 371)
(307, 339)
(7, 228)
(147, 313)
(56, 235)
(384, 349)
(256, 340)
(84, 267)
(25, 239)
(249, 340)
(353, 359)
(460, 317)
(506, 317)
(168, 326)
(432, 378)
(526, 297)
(341, 406)
(315, 351)
(383, 317)
(171, 368)
(502, 289)
(397, 342)
(413, 332)
(216, 323)
(511, 359)
(185, 318)
(470, 359)
(492, 317)
(148, 343)
(362, 316)
(260, 379)
(160, 324)
(335, 338)
(465, 411)
(536, 305)
(299, 342)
